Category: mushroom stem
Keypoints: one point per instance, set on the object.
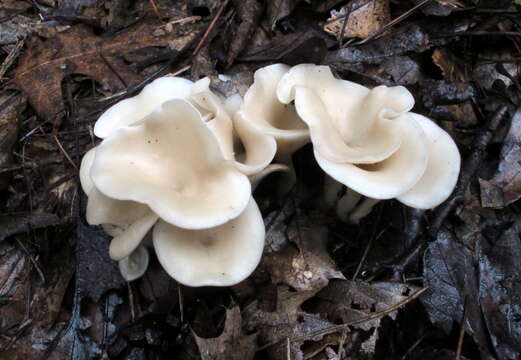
(362, 210)
(134, 266)
(347, 203)
(332, 190)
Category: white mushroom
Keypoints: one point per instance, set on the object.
(368, 140)
(219, 256)
(131, 110)
(172, 162)
(248, 148)
(265, 112)
(134, 266)
(441, 175)
(86, 164)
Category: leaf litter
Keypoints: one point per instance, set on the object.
(61, 297)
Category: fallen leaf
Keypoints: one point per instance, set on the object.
(32, 304)
(365, 17)
(96, 272)
(450, 272)
(505, 187)
(278, 10)
(286, 322)
(246, 21)
(345, 301)
(232, 344)
(403, 40)
(16, 224)
(306, 266)
(11, 106)
(294, 48)
(78, 51)
(499, 289)
(453, 71)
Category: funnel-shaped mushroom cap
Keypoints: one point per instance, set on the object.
(248, 148)
(134, 266)
(219, 256)
(390, 177)
(442, 171)
(172, 162)
(347, 122)
(265, 112)
(129, 111)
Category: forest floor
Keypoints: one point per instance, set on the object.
(401, 284)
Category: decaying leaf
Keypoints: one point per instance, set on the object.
(345, 301)
(286, 322)
(79, 51)
(293, 49)
(10, 109)
(306, 266)
(451, 274)
(21, 223)
(30, 303)
(232, 344)
(295, 252)
(248, 17)
(96, 272)
(400, 42)
(499, 289)
(279, 9)
(365, 17)
(505, 187)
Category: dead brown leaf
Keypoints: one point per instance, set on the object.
(286, 322)
(78, 51)
(247, 18)
(304, 267)
(345, 301)
(278, 10)
(505, 187)
(232, 344)
(10, 110)
(365, 19)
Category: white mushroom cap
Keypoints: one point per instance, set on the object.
(265, 112)
(442, 171)
(86, 164)
(134, 266)
(172, 162)
(258, 149)
(129, 111)
(391, 177)
(219, 256)
(347, 121)
(268, 170)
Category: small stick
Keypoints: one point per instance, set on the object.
(335, 328)
(65, 152)
(392, 23)
(210, 27)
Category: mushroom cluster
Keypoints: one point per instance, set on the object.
(166, 169)
(177, 163)
(365, 139)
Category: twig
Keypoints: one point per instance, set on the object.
(11, 57)
(210, 28)
(369, 244)
(335, 328)
(461, 332)
(65, 152)
(400, 18)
